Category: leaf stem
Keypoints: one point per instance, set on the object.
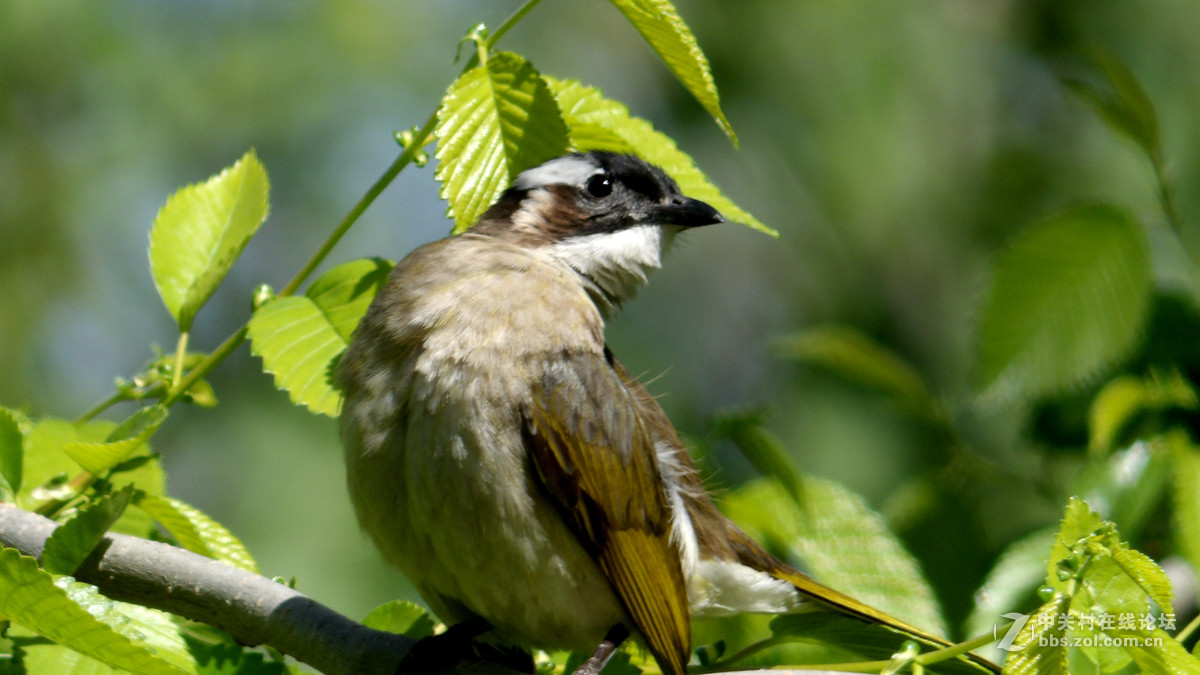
(1187, 631)
(180, 356)
(946, 653)
(100, 407)
(206, 366)
(511, 21)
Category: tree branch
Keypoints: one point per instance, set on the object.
(251, 608)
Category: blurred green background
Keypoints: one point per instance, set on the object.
(895, 146)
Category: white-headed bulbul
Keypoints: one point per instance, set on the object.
(510, 466)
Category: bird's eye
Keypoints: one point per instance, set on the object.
(599, 185)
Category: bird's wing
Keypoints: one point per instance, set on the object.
(721, 538)
(597, 461)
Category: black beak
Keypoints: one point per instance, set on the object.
(687, 212)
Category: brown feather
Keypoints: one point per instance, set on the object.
(597, 462)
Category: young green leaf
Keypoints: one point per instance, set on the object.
(497, 120)
(1068, 298)
(196, 532)
(129, 436)
(842, 542)
(299, 338)
(663, 28)
(1102, 620)
(201, 230)
(30, 596)
(406, 618)
(74, 540)
(13, 427)
(597, 123)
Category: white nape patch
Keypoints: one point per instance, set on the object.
(724, 587)
(616, 263)
(568, 170)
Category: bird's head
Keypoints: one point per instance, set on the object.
(609, 217)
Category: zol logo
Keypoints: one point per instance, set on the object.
(1014, 629)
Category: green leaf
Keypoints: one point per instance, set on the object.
(497, 120)
(1068, 299)
(1123, 105)
(1158, 653)
(130, 436)
(197, 532)
(74, 540)
(47, 467)
(13, 427)
(30, 596)
(663, 28)
(1019, 570)
(200, 232)
(845, 545)
(1185, 493)
(300, 338)
(398, 616)
(1102, 606)
(859, 359)
(1123, 399)
(597, 123)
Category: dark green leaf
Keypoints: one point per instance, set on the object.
(1068, 299)
(859, 359)
(1123, 105)
(497, 120)
(75, 539)
(201, 230)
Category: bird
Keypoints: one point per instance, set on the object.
(505, 460)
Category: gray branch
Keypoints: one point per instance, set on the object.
(251, 608)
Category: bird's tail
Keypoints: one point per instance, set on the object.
(844, 604)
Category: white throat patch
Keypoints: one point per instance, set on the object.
(615, 263)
